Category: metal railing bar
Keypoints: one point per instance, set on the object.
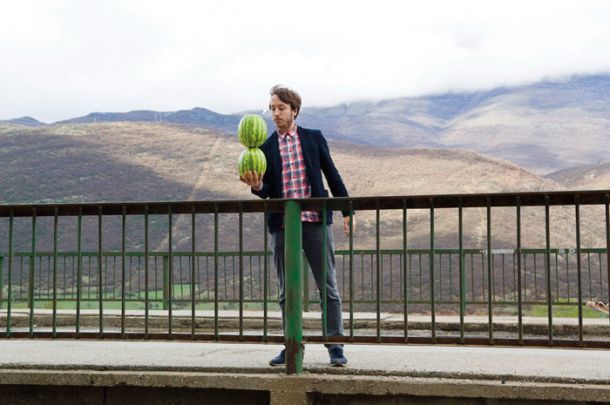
(31, 274)
(351, 271)
(265, 276)
(123, 263)
(378, 271)
(146, 275)
(519, 273)
(490, 282)
(547, 265)
(431, 266)
(170, 258)
(55, 223)
(405, 309)
(241, 273)
(9, 305)
(193, 264)
(578, 270)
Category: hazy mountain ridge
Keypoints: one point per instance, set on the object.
(586, 177)
(196, 117)
(25, 121)
(543, 127)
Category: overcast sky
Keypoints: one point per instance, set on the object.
(62, 59)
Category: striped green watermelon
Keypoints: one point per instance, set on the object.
(252, 159)
(252, 131)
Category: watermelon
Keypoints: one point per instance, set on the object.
(252, 159)
(252, 131)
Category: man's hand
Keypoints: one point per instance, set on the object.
(252, 179)
(346, 225)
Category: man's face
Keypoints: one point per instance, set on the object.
(282, 113)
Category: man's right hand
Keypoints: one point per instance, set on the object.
(252, 179)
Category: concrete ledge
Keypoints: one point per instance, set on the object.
(321, 385)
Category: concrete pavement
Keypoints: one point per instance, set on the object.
(374, 371)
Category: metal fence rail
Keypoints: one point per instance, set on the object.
(461, 278)
(504, 276)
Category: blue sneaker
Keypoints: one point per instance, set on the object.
(279, 360)
(337, 359)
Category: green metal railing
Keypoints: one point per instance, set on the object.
(363, 283)
(387, 280)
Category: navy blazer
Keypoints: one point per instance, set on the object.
(317, 160)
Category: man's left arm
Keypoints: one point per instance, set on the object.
(334, 180)
(337, 187)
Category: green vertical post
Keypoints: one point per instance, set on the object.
(608, 242)
(405, 298)
(165, 282)
(431, 263)
(123, 296)
(193, 257)
(579, 270)
(378, 272)
(490, 275)
(351, 270)
(265, 276)
(293, 335)
(1, 282)
(547, 267)
(31, 275)
(216, 271)
(170, 261)
(10, 275)
(462, 271)
(79, 272)
(324, 276)
(146, 298)
(55, 222)
(241, 272)
(100, 270)
(519, 273)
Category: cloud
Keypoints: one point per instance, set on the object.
(72, 57)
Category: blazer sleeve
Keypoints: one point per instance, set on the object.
(333, 178)
(265, 192)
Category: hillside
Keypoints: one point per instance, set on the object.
(147, 162)
(586, 177)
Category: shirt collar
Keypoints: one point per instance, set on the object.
(292, 132)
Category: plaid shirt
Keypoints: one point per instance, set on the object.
(294, 176)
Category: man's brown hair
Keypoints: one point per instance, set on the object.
(288, 96)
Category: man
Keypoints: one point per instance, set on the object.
(296, 159)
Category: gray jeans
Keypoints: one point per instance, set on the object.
(312, 245)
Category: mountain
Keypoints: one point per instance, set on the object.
(544, 127)
(25, 121)
(125, 161)
(586, 177)
(195, 117)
